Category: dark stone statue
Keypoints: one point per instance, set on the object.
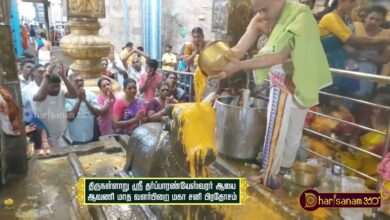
(156, 150)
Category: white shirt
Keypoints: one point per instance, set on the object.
(134, 74)
(53, 113)
(27, 94)
(119, 64)
(23, 82)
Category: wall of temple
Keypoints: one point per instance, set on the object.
(180, 17)
(123, 21)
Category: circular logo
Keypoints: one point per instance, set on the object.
(28, 115)
(309, 200)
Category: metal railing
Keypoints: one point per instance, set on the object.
(360, 76)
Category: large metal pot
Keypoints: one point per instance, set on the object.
(213, 58)
(240, 131)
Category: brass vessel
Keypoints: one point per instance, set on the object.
(212, 58)
(304, 174)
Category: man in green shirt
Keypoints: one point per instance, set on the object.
(297, 67)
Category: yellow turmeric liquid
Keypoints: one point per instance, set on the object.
(197, 131)
(196, 120)
(199, 84)
(253, 209)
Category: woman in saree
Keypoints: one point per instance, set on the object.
(128, 111)
(335, 34)
(370, 58)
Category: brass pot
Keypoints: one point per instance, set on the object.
(304, 174)
(212, 57)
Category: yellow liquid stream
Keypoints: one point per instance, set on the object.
(197, 128)
(199, 84)
(197, 131)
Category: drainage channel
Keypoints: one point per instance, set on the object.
(108, 212)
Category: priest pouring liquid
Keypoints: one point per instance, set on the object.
(295, 62)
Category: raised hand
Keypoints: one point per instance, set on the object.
(60, 69)
(261, 24)
(30, 128)
(111, 96)
(82, 95)
(140, 115)
(196, 49)
(49, 70)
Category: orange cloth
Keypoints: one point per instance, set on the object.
(188, 49)
(10, 109)
(25, 38)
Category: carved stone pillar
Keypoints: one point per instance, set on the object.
(84, 44)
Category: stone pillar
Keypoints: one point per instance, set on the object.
(84, 44)
(13, 155)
